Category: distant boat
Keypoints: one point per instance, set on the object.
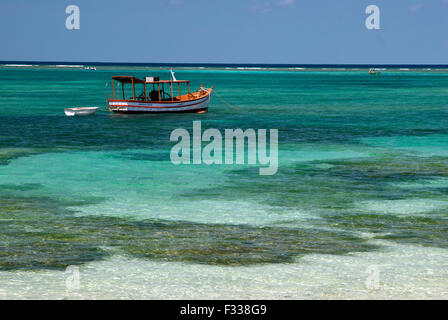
(152, 97)
(70, 112)
(90, 68)
(374, 72)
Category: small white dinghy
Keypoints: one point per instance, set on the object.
(70, 112)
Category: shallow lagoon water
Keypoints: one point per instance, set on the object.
(406, 272)
(361, 182)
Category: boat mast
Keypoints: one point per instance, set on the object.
(172, 75)
(133, 88)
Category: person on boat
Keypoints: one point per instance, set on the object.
(154, 95)
(142, 96)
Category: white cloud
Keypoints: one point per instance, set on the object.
(268, 6)
(264, 7)
(287, 2)
(416, 7)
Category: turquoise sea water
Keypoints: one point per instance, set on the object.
(362, 181)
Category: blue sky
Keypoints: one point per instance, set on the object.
(226, 31)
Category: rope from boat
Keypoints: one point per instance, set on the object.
(225, 102)
(106, 107)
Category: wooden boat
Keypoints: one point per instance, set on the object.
(152, 95)
(86, 111)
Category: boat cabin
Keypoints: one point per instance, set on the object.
(151, 89)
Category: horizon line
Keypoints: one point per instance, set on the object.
(180, 64)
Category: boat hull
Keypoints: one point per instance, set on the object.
(71, 112)
(134, 107)
(144, 112)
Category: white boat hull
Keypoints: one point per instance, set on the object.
(160, 107)
(71, 112)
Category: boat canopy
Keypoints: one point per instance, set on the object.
(128, 79)
(156, 86)
(169, 81)
(131, 79)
